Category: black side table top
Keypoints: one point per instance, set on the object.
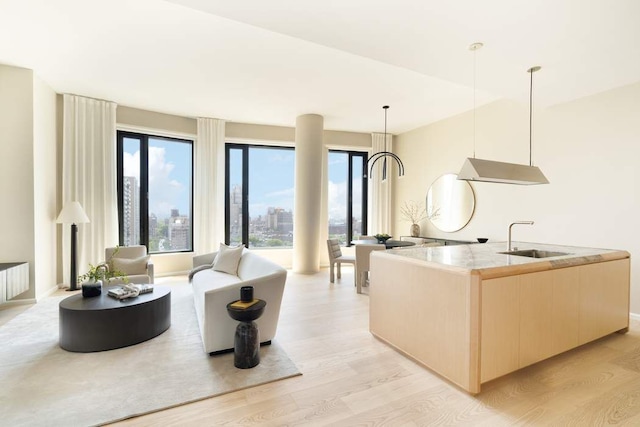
(248, 314)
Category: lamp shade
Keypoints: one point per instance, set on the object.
(506, 173)
(72, 213)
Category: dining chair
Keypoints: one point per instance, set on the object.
(337, 259)
(363, 252)
(367, 238)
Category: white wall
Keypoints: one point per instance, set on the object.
(588, 149)
(16, 173)
(44, 194)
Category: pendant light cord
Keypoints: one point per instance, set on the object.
(384, 162)
(474, 103)
(530, 115)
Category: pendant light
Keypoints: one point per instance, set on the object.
(383, 155)
(500, 172)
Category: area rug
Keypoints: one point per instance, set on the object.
(43, 385)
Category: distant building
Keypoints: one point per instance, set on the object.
(179, 231)
(153, 225)
(131, 211)
(235, 210)
(279, 220)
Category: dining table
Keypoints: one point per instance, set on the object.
(389, 244)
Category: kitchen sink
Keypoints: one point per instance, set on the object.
(534, 253)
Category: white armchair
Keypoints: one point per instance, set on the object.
(132, 260)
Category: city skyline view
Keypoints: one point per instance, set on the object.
(169, 172)
(271, 195)
(270, 182)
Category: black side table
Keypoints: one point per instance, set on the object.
(246, 345)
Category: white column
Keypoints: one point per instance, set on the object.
(308, 193)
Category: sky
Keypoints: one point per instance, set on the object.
(271, 178)
(169, 174)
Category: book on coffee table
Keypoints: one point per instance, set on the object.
(120, 293)
(123, 292)
(144, 288)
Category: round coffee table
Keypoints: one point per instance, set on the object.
(105, 323)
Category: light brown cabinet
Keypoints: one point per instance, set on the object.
(530, 317)
(472, 325)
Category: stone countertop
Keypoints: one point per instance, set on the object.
(484, 258)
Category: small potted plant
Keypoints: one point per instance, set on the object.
(93, 279)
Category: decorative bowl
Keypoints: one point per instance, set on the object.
(381, 238)
(482, 239)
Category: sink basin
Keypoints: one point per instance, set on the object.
(535, 253)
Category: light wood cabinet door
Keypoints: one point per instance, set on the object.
(536, 317)
(565, 311)
(500, 330)
(549, 314)
(604, 299)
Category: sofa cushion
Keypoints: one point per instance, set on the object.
(209, 280)
(133, 266)
(228, 259)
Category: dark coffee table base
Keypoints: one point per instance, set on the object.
(104, 323)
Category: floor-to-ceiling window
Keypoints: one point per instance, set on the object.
(259, 196)
(347, 195)
(155, 192)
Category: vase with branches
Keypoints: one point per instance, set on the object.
(103, 272)
(415, 212)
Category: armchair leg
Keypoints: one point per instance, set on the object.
(331, 277)
(339, 273)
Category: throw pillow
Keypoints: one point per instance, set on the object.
(131, 266)
(228, 259)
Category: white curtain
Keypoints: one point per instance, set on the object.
(209, 185)
(89, 177)
(379, 191)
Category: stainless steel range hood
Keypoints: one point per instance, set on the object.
(506, 173)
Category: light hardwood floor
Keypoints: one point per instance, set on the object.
(350, 378)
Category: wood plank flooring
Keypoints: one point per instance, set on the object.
(350, 378)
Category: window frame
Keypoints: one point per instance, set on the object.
(143, 138)
(244, 147)
(365, 191)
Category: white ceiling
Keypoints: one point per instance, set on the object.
(268, 62)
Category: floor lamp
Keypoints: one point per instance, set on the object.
(73, 214)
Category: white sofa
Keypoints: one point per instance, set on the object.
(213, 290)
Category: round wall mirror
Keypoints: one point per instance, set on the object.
(450, 203)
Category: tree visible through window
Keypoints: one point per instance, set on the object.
(155, 196)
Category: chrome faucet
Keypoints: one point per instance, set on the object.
(511, 225)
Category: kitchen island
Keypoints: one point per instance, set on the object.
(472, 314)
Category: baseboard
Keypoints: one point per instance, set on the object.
(634, 316)
(173, 273)
(17, 302)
